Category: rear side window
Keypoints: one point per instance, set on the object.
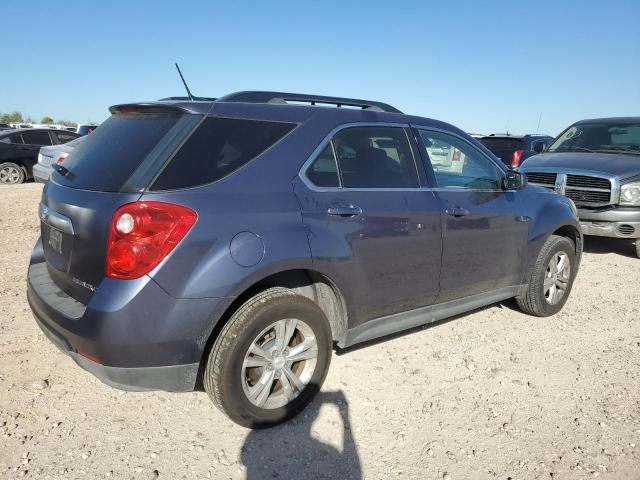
(36, 138)
(110, 155)
(217, 148)
(375, 157)
(63, 137)
(323, 172)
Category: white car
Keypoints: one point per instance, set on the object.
(50, 155)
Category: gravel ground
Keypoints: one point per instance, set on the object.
(491, 394)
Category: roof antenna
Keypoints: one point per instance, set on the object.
(539, 120)
(185, 83)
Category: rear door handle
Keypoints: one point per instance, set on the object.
(345, 211)
(457, 212)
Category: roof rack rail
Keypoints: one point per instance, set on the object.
(285, 97)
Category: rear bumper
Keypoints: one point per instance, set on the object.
(173, 378)
(41, 173)
(132, 335)
(615, 222)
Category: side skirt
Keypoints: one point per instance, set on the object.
(379, 327)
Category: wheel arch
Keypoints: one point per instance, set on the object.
(572, 233)
(309, 283)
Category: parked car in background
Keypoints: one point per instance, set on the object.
(19, 151)
(596, 163)
(229, 244)
(4, 126)
(85, 129)
(514, 149)
(50, 155)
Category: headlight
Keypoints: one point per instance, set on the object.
(630, 194)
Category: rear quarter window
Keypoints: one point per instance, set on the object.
(217, 148)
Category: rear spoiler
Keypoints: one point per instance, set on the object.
(153, 107)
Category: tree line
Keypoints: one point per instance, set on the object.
(16, 117)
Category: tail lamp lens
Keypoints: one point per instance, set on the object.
(517, 158)
(142, 234)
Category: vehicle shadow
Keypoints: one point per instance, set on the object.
(600, 245)
(290, 451)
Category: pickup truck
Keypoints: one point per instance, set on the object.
(596, 163)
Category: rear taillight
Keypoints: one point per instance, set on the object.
(142, 234)
(456, 155)
(517, 158)
(62, 157)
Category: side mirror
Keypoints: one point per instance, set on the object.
(514, 180)
(539, 147)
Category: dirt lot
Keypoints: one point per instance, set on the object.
(492, 394)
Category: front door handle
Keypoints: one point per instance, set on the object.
(457, 212)
(345, 211)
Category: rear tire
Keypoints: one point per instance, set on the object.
(548, 290)
(270, 359)
(11, 173)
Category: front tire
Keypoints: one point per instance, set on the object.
(270, 359)
(551, 279)
(11, 173)
(638, 247)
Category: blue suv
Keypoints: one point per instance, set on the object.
(229, 244)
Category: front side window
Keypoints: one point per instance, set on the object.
(375, 157)
(456, 164)
(36, 138)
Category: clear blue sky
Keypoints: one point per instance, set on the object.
(483, 66)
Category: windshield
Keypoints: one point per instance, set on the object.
(603, 137)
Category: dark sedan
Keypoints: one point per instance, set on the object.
(19, 151)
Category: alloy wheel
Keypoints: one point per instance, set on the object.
(279, 363)
(9, 175)
(557, 278)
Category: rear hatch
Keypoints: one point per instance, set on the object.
(107, 170)
(503, 147)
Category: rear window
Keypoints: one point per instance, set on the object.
(217, 148)
(503, 147)
(110, 155)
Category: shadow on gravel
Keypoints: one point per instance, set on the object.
(289, 451)
(621, 246)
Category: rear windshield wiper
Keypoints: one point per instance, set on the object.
(60, 169)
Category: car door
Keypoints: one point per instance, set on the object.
(371, 228)
(484, 228)
(33, 140)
